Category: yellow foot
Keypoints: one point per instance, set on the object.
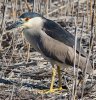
(56, 90)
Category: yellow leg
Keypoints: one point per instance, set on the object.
(51, 90)
(53, 79)
(59, 76)
(52, 82)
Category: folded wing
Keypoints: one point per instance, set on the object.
(57, 32)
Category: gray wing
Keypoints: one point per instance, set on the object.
(55, 50)
(59, 52)
(57, 32)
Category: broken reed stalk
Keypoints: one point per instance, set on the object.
(50, 2)
(11, 98)
(61, 10)
(20, 6)
(74, 79)
(72, 8)
(3, 18)
(90, 8)
(88, 14)
(74, 92)
(2, 28)
(95, 24)
(80, 45)
(90, 47)
(27, 5)
(34, 6)
(47, 8)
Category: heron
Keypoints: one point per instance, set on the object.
(54, 43)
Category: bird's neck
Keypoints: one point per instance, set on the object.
(33, 31)
(31, 36)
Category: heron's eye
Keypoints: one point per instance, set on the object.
(26, 19)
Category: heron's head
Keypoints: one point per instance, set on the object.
(28, 20)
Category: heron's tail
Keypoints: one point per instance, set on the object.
(88, 68)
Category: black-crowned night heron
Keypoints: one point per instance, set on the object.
(52, 41)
